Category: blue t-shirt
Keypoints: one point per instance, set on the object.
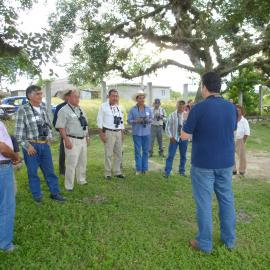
(212, 123)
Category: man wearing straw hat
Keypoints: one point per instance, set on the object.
(140, 117)
(64, 95)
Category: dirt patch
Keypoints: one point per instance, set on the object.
(243, 217)
(258, 165)
(97, 199)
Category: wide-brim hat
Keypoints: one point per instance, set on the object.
(62, 94)
(139, 93)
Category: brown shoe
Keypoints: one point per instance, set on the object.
(194, 244)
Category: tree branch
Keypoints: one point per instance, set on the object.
(153, 68)
(7, 50)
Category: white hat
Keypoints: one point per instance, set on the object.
(139, 93)
(63, 93)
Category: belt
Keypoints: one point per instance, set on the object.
(2, 162)
(80, 138)
(38, 141)
(115, 130)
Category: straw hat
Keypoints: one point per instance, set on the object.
(62, 94)
(139, 93)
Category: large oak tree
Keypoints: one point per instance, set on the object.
(220, 35)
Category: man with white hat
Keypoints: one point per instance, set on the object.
(140, 117)
(64, 95)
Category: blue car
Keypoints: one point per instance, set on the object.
(17, 101)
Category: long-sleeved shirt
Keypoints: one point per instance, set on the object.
(26, 127)
(174, 125)
(5, 138)
(140, 129)
(106, 114)
(157, 113)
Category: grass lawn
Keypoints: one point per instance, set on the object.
(139, 223)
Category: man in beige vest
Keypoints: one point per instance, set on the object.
(73, 127)
(111, 127)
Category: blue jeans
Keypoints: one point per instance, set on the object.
(42, 159)
(141, 148)
(204, 182)
(7, 206)
(171, 153)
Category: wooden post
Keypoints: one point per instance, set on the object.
(48, 98)
(240, 98)
(185, 92)
(103, 91)
(150, 98)
(260, 100)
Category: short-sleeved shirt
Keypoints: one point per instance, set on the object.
(5, 138)
(68, 118)
(140, 129)
(212, 123)
(242, 128)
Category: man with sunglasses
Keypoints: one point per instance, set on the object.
(73, 127)
(33, 132)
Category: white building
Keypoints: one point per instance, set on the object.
(127, 90)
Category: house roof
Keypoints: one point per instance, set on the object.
(137, 84)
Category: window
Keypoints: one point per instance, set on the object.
(163, 93)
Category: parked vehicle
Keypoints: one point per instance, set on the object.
(4, 115)
(8, 109)
(17, 101)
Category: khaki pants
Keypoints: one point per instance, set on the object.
(76, 162)
(240, 149)
(113, 150)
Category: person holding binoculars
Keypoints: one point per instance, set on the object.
(73, 127)
(111, 132)
(33, 133)
(140, 117)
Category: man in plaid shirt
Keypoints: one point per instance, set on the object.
(33, 132)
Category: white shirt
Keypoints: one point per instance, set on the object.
(242, 128)
(106, 114)
(37, 109)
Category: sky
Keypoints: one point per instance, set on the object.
(36, 18)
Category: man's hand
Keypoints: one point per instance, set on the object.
(88, 140)
(138, 121)
(185, 136)
(31, 151)
(16, 160)
(172, 140)
(67, 143)
(102, 136)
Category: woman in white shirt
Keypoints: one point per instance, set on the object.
(242, 133)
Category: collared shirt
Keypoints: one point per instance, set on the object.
(5, 138)
(174, 125)
(140, 129)
(68, 118)
(212, 123)
(156, 113)
(106, 114)
(242, 128)
(26, 127)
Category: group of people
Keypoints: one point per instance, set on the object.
(211, 123)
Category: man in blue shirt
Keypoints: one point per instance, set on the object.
(65, 96)
(140, 117)
(212, 123)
